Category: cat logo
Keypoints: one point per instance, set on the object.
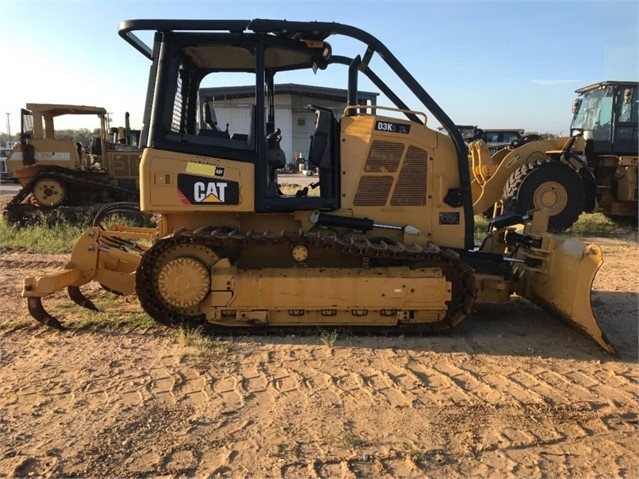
(211, 192)
(205, 190)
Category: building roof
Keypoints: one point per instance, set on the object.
(248, 91)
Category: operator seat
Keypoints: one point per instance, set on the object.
(322, 152)
(275, 160)
(211, 122)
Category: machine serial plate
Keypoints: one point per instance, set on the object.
(448, 218)
(392, 127)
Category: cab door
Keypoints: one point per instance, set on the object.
(625, 139)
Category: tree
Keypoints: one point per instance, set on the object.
(83, 135)
(545, 135)
(5, 140)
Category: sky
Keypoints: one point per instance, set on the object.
(500, 64)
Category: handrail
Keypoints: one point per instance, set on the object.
(388, 108)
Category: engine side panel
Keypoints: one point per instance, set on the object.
(399, 173)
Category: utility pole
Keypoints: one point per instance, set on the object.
(10, 145)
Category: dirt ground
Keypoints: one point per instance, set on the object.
(511, 393)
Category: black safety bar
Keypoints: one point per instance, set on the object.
(320, 31)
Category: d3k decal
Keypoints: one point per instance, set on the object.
(195, 189)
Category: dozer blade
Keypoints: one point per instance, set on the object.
(38, 313)
(562, 283)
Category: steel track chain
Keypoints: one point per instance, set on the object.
(459, 274)
(76, 181)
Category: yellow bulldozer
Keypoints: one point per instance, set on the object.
(593, 170)
(384, 237)
(56, 172)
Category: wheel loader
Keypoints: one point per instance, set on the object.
(56, 173)
(384, 237)
(593, 170)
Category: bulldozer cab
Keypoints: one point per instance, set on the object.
(188, 54)
(357, 154)
(38, 140)
(607, 114)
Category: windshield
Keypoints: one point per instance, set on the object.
(501, 136)
(595, 110)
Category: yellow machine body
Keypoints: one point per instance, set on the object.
(383, 237)
(390, 177)
(287, 283)
(490, 172)
(593, 170)
(56, 172)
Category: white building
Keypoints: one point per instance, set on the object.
(232, 106)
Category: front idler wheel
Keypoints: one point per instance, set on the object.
(183, 283)
(173, 278)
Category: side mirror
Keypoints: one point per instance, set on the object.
(627, 95)
(468, 135)
(576, 104)
(577, 132)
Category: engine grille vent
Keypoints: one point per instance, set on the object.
(373, 191)
(410, 189)
(384, 157)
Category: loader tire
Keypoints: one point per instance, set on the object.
(546, 184)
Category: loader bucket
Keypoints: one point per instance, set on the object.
(561, 282)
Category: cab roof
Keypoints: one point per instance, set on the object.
(604, 84)
(53, 109)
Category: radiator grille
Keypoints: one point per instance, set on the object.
(373, 191)
(384, 157)
(27, 122)
(410, 189)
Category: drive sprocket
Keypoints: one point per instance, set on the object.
(49, 192)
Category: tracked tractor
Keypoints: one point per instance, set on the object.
(384, 237)
(62, 174)
(593, 170)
